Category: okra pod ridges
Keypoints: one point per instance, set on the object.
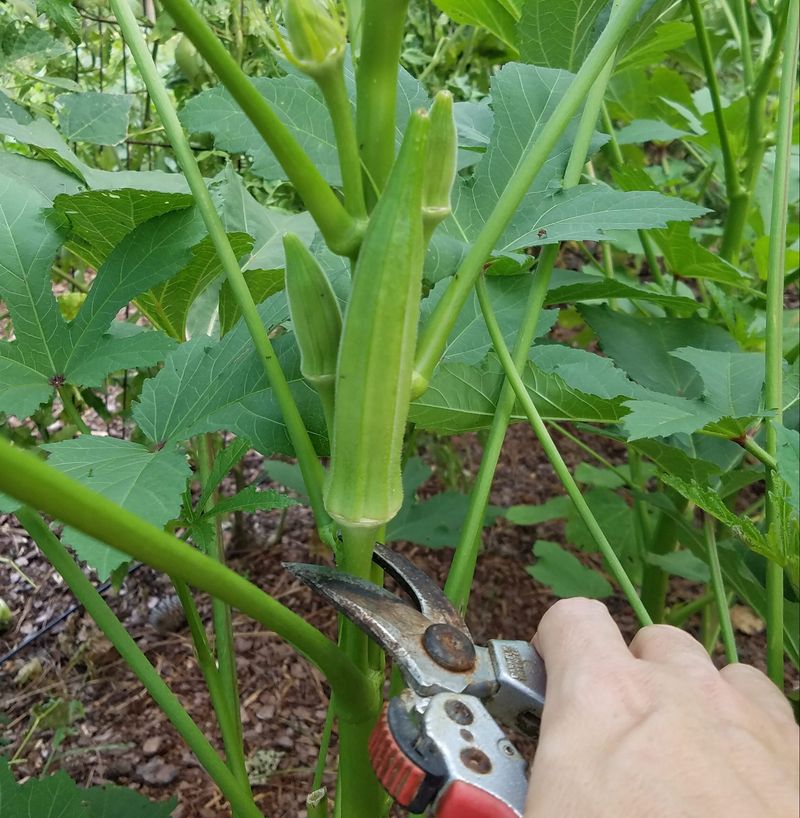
(440, 165)
(376, 354)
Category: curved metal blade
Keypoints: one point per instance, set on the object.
(393, 623)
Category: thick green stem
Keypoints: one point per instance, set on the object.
(434, 335)
(96, 607)
(332, 85)
(760, 453)
(231, 723)
(359, 793)
(554, 456)
(655, 580)
(718, 587)
(756, 141)
(341, 232)
(26, 478)
(773, 386)
(376, 90)
(732, 180)
(304, 449)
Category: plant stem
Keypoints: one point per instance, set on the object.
(680, 613)
(744, 43)
(655, 580)
(31, 481)
(71, 411)
(231, 723)
(331, 83)
(750, 445)
(718, 587)
(756, 144)
(227, 717)
(304, 449)
(555, 458)
(433, 338)
(462, 568)
(732, 180)
(321, 810)
(774, 336)
(95, 605)
(592, 453)
(376, 89)
(359, 794)
(341, 233)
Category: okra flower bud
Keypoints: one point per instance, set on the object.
(316, 319)
(316, 34)
(376, 355)
(440, 167)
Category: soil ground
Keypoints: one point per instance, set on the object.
(122, 737)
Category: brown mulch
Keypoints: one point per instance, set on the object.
(122, 737)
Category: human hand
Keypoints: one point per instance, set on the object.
(655, 730)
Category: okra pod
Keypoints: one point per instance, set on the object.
(376, 354)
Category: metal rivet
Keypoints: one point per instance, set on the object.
(458, 712)
(449, 647)
(476, 760)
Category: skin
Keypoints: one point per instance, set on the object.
(654, 730)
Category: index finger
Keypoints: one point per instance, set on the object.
(577, 635)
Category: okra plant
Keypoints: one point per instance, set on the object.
(411, 287)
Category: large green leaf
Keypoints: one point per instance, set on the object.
(653, 45)
(63, 15)
(687, 258)
(95, 117)
(29, 43)
(100, 219)
(261, 283)
(208, 385)
(523, 98)
(497, 16)
(463, 397)
(10, 109)
(558, 33)
(58, 796)
(642, 346)
(41, 134)
(47, 350)
(147, 483)
(564, 574)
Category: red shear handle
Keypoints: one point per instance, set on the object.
(463, 800)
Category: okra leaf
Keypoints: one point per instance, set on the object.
(681, 563)
(58, 796)
(224, 461)
(615, 519)
(556, 508)
(261, 283)
(94, 117)
(650, 44)
(63, 15)
(732, 381)
(788, 456)
(100, 219)
(575, 287)
(666, 415)
(642, 346)
(207, 385)
(48, 351)
(674, 460)
(497, 16)
(10, 109)
(648, 130)
(741, 526)
(251, 499)
(43, 136)
(463, 397)
(469, 340)
(168, 304)
(147, 483)
(557, 34)
(564, 574)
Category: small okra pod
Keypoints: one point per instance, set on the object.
(376, 354)
(316, 319)
(440, 167)
(317, 37)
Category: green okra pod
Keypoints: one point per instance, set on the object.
(376, 354)
(440, 166)
(316, 319)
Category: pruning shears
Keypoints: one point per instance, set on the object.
(439, 743)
